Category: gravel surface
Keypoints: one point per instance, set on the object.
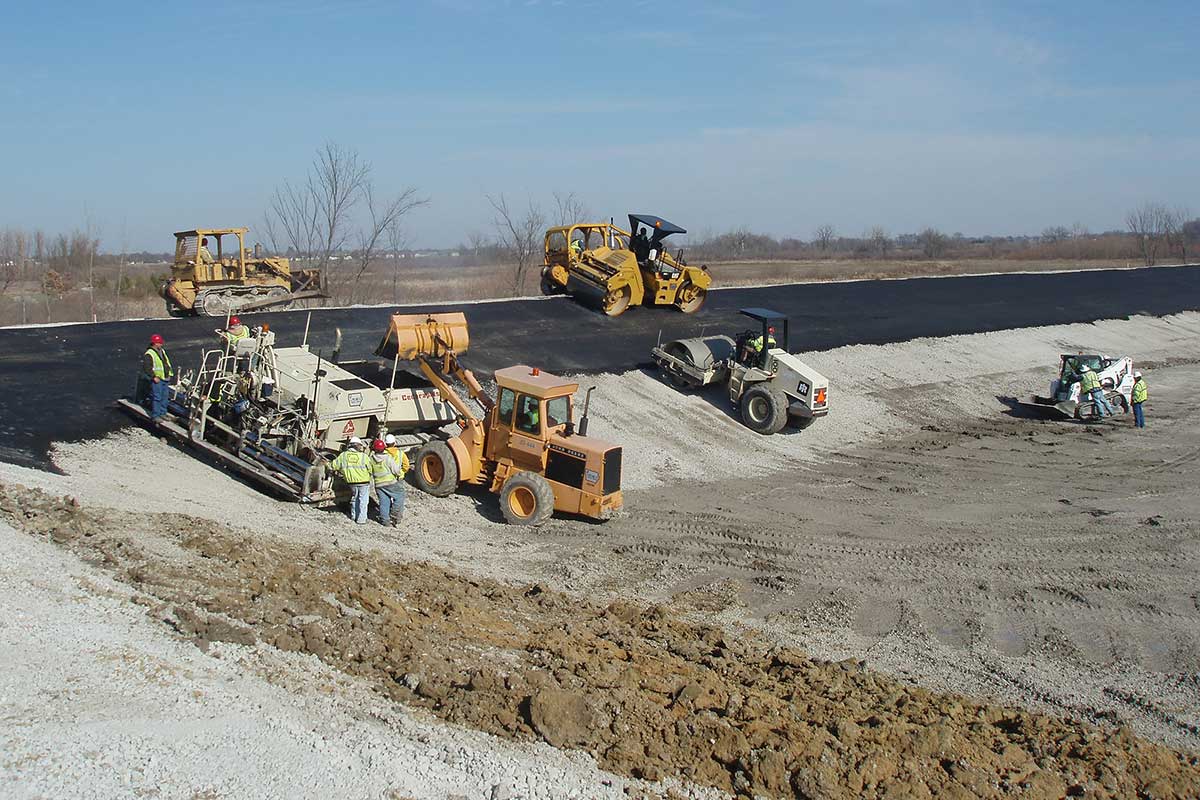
(97, 700)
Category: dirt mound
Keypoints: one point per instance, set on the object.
(647, 694)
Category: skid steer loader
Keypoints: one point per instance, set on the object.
(617, 269)
(770, 386)
(1116, 379)
(525, 448)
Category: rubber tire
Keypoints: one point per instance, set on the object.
(532, 487)
(446, 466)
(775, 416)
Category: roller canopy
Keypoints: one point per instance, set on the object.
(656, 224)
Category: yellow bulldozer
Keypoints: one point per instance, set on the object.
(526, 447)
(213, 276)
(617, 269)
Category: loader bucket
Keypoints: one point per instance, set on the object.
(412, 335)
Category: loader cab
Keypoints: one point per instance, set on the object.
(225, 247)
(772, 327)
(531, 407)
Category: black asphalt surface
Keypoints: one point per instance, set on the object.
(59, 382)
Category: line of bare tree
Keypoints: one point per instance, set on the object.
(338, 208)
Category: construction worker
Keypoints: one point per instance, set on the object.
(1089, 386)
(754, 347)
(235, 332)
(1139, 395)
(576, 248)
(202, 254)
(387, 474)
(354, 467)
(156, 372)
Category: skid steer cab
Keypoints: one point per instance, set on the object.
(770, 386)
(526, 447)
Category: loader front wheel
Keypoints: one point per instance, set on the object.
(526, 499)
(764, 410)
(436, 470)
(616, 301)
(690, 298)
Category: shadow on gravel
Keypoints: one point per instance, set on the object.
(1024, 409)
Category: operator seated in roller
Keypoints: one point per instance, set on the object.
(529, 418)
(640, 245)
(752, 346)
(576, 249)
(202, 255)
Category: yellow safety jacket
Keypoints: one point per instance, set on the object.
(353, 466)
(756, 343)
(1140, 392)
(236, 333)
(401, 458)
(1088, 382)
(160, 364)
(381, 469)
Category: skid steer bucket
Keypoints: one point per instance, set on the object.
(430, 335)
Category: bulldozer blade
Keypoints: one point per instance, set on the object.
(431, 335)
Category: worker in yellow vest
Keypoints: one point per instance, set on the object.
(153, 389)
(354, 467)
(387, 473)
(1139, 396)
(1089, 386)
(235, 332)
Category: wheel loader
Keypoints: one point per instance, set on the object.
(1116, 379)
(616, 269)
(526, 448)
(212, 276)
(770, 386)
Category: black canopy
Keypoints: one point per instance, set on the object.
(657, 225)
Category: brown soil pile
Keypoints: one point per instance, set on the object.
(647, 694)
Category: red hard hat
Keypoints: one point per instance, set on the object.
(234, 321)
(155, 339)
(378, 446)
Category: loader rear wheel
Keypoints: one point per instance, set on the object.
(764, 410)
(526, 499)
(616, 301)
(690, 298)
(436, 470)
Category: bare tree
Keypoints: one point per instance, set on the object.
(880, 240)
(397, 240)
(824, 236)
(381, 220)
(1174, 231)
(569, 209)
(1056, 234)
(933, 242)
(520, 235)
(1146, 223)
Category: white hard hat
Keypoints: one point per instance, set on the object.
(355, 440)
(390, 440)
(1137, 373)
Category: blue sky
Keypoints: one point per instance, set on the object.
(780, 117)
